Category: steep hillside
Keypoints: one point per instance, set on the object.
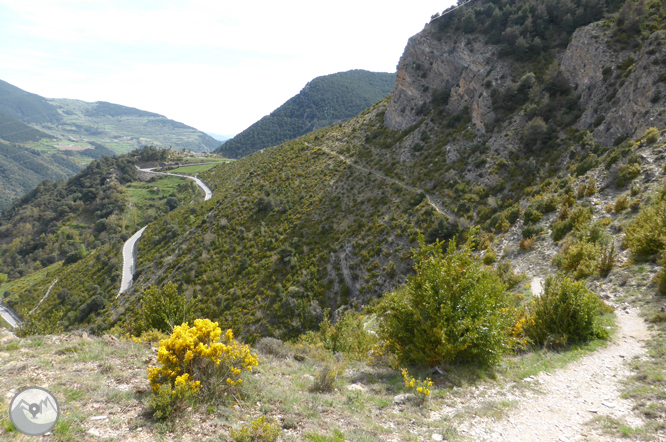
(103, 204)
(324, 101)
(26, 107)
(14, 131)
(22, 168)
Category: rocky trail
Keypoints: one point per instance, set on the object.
(560, 405)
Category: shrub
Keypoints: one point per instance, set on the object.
(504, 270)
(531, 216)
(651, 135)
(534, 134)
(591, 188)
(586, 165)
(646, 235)
(661, 281)
(526, 244)
(626, 173)
(166, 400)
(162, 309)
(327, 377)
(566, 312)
(606, 260)
(621, 203)
(201, 358)
(420, 388)
(560, 229)
(272, 346)
(40, 324)
(531, 231)
(490, 257)
(578, 256)
(260, 430)
(347, 336)
(452, 310)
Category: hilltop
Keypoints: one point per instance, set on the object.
(323, 101)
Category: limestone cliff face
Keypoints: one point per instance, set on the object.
(470, 69)
(632, 110)
(428, 66)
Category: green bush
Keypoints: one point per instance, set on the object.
(561, 228)
(651, 135)
(347, 336)
(452, 310)
(566, 312)
(490, 257)
(531, 216)
(531, 231)
(163, 309)
(260, 430)
(646, 235)
(579, 257)
(164, 402)
(626, 173)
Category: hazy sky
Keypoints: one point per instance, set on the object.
(216, 65)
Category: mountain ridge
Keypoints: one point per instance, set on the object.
(323, 101)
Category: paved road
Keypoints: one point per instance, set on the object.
(129, 249)
(129, 261)
(206, 189)
(8, 316)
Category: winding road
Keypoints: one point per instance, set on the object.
(129, 249)
(8, 316)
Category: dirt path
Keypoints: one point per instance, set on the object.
(569, 398)
(381, 176)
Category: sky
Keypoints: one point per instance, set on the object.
(218, 66)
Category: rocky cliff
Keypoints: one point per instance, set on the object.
(620, 90)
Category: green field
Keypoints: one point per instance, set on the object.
(148, 199)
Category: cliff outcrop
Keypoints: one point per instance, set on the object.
(620, 91)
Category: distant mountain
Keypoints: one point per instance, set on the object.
(323, 101)
(222, 138)
(124, 128)
(119, 128)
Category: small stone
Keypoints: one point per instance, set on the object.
(355, 387)
(99, 418)
(437, 437)
(93, 432)
(591, 410)
(607, 404)
(403, 398)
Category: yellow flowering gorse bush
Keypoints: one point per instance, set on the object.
(201, 357)
(419, 387)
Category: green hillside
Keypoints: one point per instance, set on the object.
(23, 168)
(14, 131)
(103, 204)
(26, 107)
(324, 101)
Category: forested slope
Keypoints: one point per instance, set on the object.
(324, 101)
